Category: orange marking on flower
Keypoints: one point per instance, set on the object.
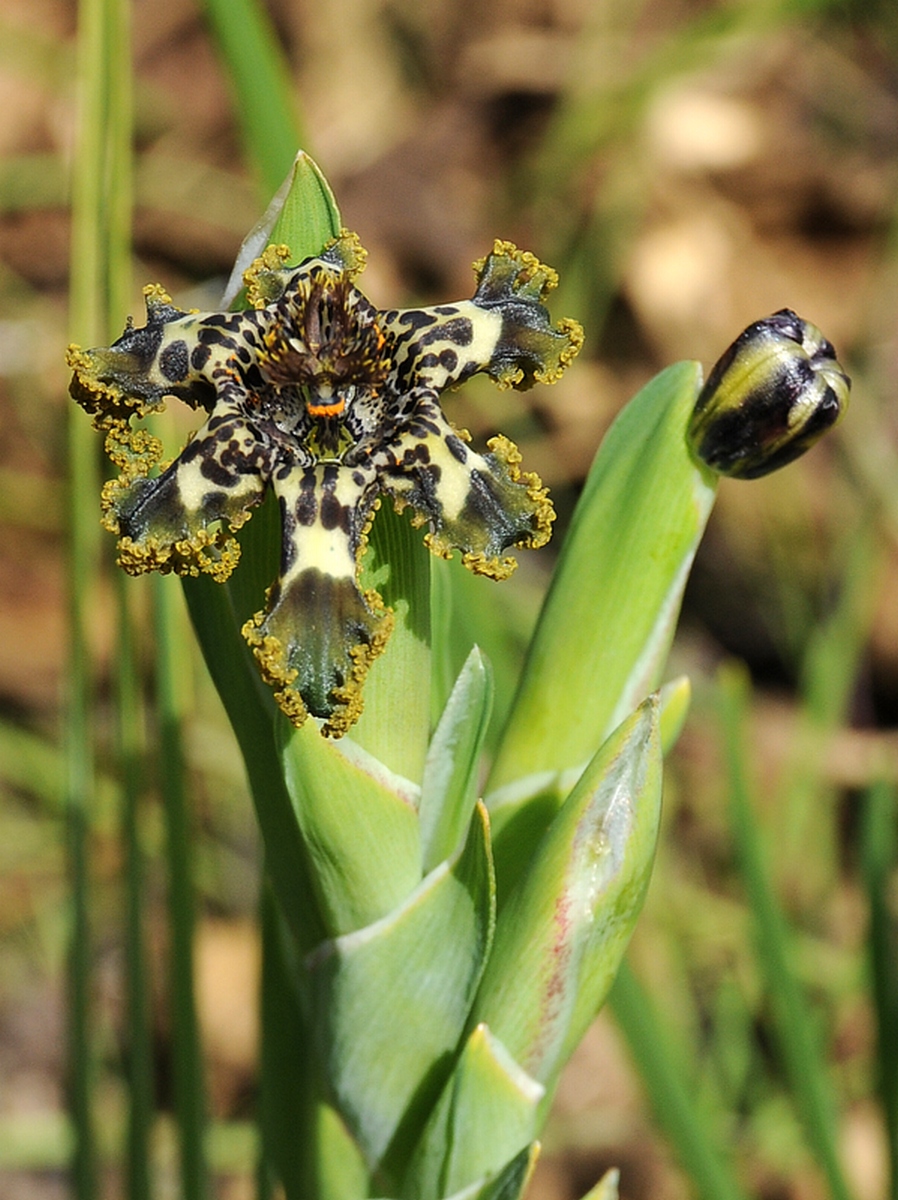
(327, 410)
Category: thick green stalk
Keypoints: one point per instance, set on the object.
(188, 1070)
(802, 1054)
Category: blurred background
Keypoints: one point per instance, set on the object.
(688, 166)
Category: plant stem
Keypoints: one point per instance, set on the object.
(188, 1071)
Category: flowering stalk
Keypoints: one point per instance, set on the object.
(432, 959)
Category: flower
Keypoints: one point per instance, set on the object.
(768, 399)
(331, 403)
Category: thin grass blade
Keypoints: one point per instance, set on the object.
(661, 1065)
(189, 1086)
(879, 855)
(803, 1056)
(260, 76)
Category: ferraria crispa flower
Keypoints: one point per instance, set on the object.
(332, 403)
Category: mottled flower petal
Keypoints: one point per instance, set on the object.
(314, 391)
(504, 330)
(478, 504)
(178, 521)
(320, 632)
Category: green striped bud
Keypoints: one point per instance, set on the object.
(773, 393)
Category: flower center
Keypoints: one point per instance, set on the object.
(324, 337)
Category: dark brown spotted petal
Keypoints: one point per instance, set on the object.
(320, 633)
(480, 505)
(179, 521)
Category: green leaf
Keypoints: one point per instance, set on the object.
(485, 1115)
(359, 826)
(391, 1000)
(449, 786)
(562, 934)
(303, 215)
(509, 1184)
(606, 625)
(521, 812)
(395, 723)
(675, 700)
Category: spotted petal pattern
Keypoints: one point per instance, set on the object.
(332, 404)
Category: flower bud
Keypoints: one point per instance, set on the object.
(771, 395)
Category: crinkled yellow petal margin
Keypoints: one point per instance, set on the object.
(271, 656)
(534, 279)
(263, 284)
(543, 515)
(544, 512)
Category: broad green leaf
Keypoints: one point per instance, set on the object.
(391, 1000)
(395, 723)
(606, 625)
(509, 1184)
(562, 933)
(302, 215)
(521, 812)
(359, 828)
(449, 786)
(486, 1114)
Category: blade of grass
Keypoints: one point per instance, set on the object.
(802, 1054)
(260, 77)
(190, 1104)
(100, 208)
(137, 986)
(119, 202)
(660, 1064)
(879, 855)
(830, 668)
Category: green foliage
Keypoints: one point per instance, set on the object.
(402, 881)
(430, 963)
